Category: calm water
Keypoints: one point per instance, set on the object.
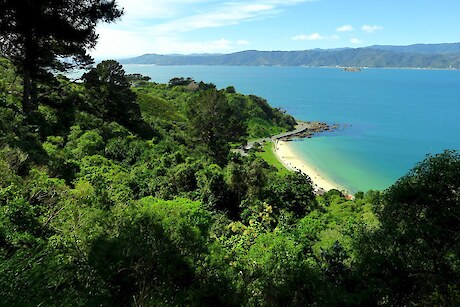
(395, 117)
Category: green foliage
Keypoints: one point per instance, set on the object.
(10, 85)
(261, 119)
(415, 252)
(12, 161)
(180, 81)
(213, 189)
(247, 177)
(137, 78)
(160, 103)
(111, 182)
(156, 108)
(230, 90)
(92, 214)
(37, 35)
(82, 144)
(267, 153)
(150, 252)
(276, 270)
(293, 193)
(110, 96)
(214, 122)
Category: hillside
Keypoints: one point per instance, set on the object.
(121, 192)
(443, 56)
(448, 48)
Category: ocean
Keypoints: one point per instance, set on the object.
(390, 118)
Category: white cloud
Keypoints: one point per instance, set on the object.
(115, 43)
(159, 25)
(370, 29)
(310, 37)
(288, 2)
(136, 10)
(190, 15)
(228, 14)
(345, 28)
(125, 40)
(171, 45)
(242, 42)
(355, 41)
(313, 37)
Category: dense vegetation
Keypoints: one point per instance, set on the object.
(128, 201)
(120, 192)
(416, 56)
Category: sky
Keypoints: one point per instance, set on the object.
(210, 26)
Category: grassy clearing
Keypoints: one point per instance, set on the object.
(269, 156)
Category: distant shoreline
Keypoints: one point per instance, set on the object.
(426, 56)
(299, 66)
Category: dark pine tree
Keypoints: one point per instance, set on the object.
(40, 36)
(109, 93)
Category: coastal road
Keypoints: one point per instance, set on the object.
(300, 127)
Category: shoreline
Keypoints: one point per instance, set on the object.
(301, 66)
(292, 161)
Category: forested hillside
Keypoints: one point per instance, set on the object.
(447, 48)
(443, 56)
(115, 191)
(142, 203)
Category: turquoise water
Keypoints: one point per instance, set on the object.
(395, 117)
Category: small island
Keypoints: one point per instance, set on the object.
(351, 69)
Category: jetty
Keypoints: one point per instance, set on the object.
(302, 130)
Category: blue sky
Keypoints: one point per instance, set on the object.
(210, 26)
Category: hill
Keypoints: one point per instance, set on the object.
(120, 192)
(440, 56)
(448, 48)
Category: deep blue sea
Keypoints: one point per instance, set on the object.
(393, 117)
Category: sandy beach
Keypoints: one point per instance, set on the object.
(290, 160)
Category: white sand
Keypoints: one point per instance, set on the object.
(292, 161)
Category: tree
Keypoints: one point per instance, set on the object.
(153, 253)
(180, 81)
(293, 193)
(415, 253)
(110, 95)
(215, 122)
(213, 189)
(137, 77)
(41, 35)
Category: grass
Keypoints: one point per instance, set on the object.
(269, 156)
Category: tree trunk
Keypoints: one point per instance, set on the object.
(29, 66)
(29, 98)
(33, 95)
(27, 84)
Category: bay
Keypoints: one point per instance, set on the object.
(391, 118)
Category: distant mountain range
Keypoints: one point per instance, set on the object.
(436, 56)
